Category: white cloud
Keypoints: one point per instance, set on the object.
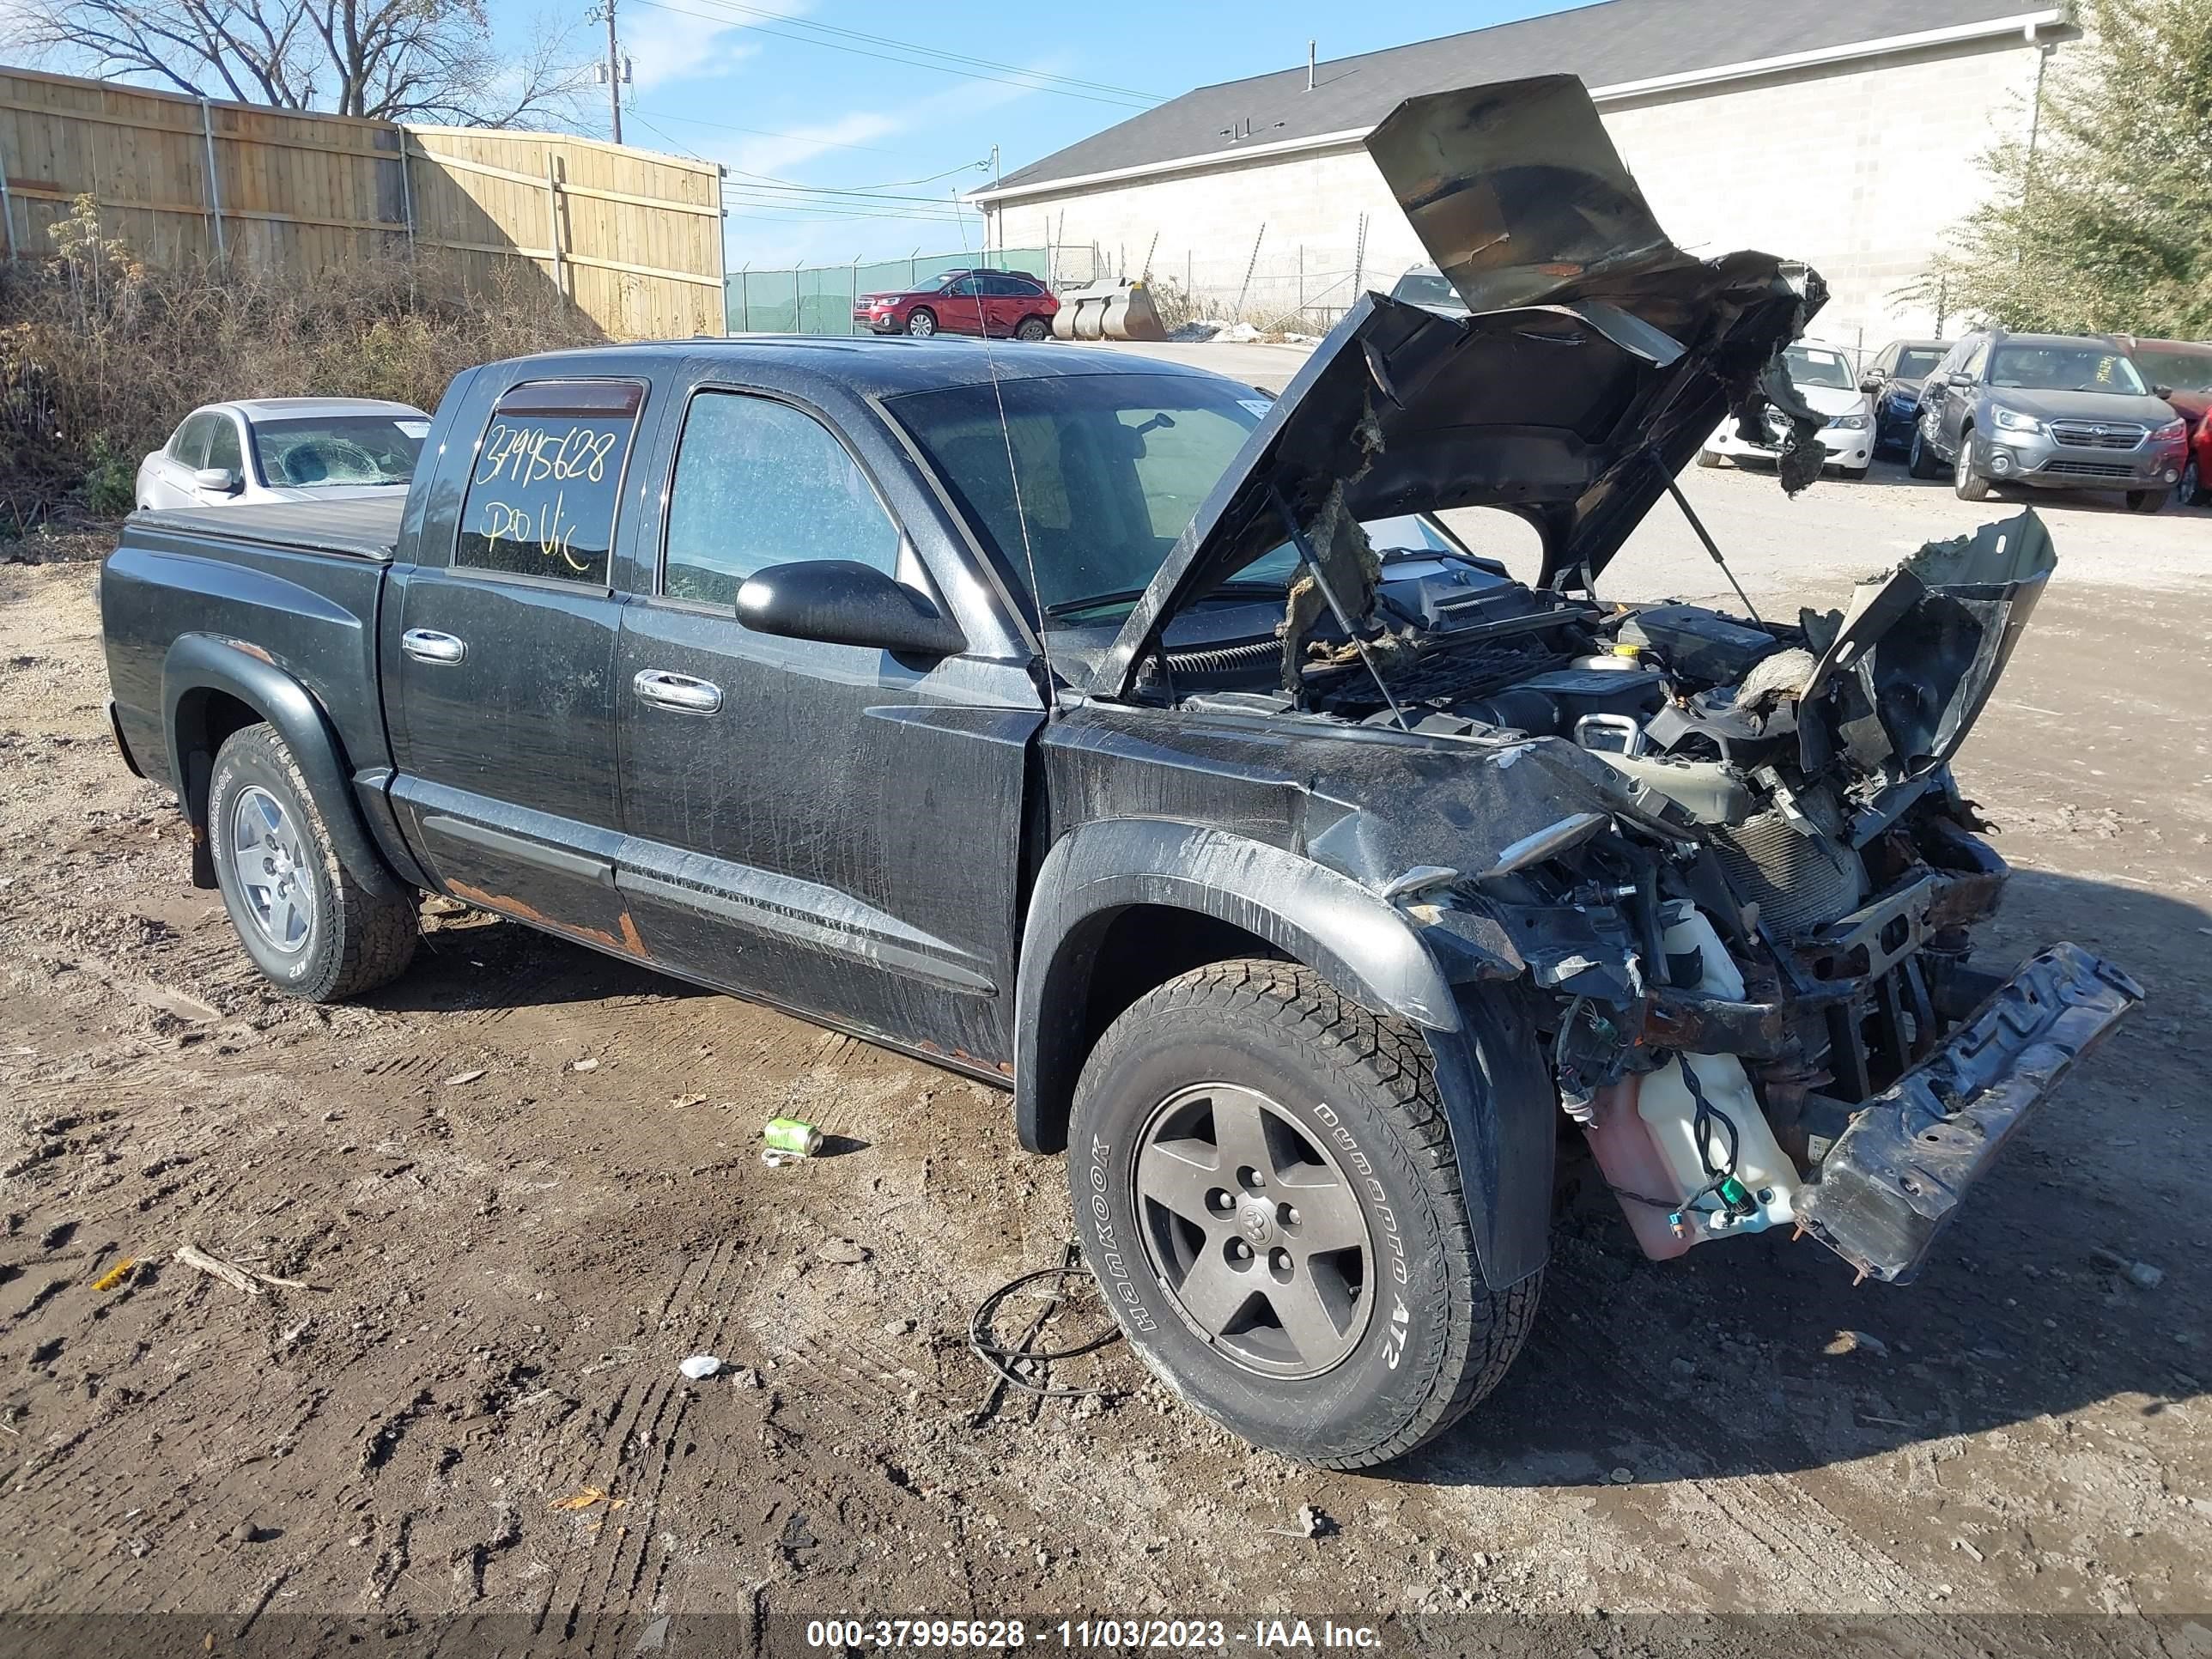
(667, 47)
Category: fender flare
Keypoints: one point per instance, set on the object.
(1497, 1096)
(197, 664)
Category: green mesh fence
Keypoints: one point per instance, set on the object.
(818, 299)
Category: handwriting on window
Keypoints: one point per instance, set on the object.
(541, 498)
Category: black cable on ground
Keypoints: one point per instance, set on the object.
(1002, 1360)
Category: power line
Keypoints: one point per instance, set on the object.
(768, 178)
(763, 132)
(727, 21)
(875, 38)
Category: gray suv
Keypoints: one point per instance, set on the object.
(2065, 411)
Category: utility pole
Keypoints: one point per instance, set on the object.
(614, 72)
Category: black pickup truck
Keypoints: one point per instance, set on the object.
(1101, 728)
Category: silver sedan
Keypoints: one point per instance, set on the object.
(284, 449)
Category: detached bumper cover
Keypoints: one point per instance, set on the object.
(1896, 1176)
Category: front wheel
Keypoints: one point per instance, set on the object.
(2146, 501)
(1855, 474)
(1967, 483)
(1266, 1188)
(1920, 460)
(309, 926)
(2190, 492)
(921, 323)
(1707, 457)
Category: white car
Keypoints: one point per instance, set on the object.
(1823, 378)
(284, 449)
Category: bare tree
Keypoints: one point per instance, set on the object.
(399, 60)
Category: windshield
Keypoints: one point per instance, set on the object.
(1111, 468)
(2184, 371)
(2083, 367)
(339, 449)
(1813, 366)
(1914, 363)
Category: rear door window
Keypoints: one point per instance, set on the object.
(548, 478)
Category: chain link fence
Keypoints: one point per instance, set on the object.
(818, 299)
(1297, 287)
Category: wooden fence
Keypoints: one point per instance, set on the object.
(633, 237)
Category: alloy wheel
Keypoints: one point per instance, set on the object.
(1254, 1231)
(270, 856)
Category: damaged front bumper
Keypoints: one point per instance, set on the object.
(1898, 1173)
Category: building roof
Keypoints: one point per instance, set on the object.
(1618, 47)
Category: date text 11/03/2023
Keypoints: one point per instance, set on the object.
(1081, 1635)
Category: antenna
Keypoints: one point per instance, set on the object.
(1014, 477)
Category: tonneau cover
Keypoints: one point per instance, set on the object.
(360, 527)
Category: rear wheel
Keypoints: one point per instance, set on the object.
(309, 926)
(2146, 501)
(1967, 483)
(921, 322)
(1920, 460)
(1267, 1191)
(1032, 328)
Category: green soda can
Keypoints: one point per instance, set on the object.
(791, 1137)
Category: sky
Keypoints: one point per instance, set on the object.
(899, 108)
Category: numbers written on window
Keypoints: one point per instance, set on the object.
(548, 476)
(758, 482)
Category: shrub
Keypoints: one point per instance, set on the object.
(100, 355)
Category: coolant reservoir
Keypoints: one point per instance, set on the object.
(1643, 1134)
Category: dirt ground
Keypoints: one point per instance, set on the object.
(514, 1190)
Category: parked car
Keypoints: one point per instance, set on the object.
(284, 449)
(1893, 379)
(1425, 285)
(2180, 371)
(1090, 726)
(980, 302)
(2061, 411)
(1823, 377)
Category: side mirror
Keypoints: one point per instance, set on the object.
(2161, 392)
(842, 602)
(1873, 382)
(1958, 379)
(221, 479)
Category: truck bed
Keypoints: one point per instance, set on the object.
(362, 528)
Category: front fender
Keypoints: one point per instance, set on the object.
(1497, 1095)
(198, 664)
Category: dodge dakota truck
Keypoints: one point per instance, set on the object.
(1098, 727)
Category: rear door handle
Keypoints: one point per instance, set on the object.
(680, 692)
(428, 645)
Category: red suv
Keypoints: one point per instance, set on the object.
(2180, 371)
(979, 301)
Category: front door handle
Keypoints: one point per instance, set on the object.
(428, 645)
(680, 692)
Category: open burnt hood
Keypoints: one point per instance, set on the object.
(1598, 355)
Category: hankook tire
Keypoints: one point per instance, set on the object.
(1265, 1186)
(309, 926)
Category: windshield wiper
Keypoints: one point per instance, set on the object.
(1131, 595)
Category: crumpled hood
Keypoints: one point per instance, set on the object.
(1596, 357)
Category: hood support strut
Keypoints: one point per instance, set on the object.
(1703, 534)
(1336, 606)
